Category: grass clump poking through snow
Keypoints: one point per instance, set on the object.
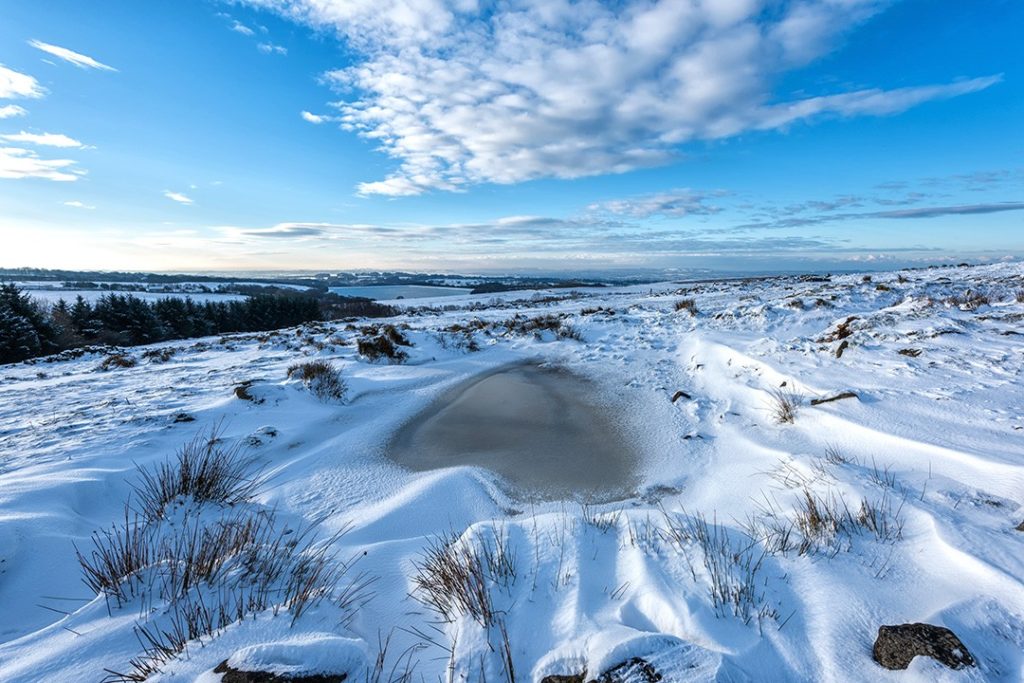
(731, 563)
(457, 574)
(825, 524)
(383, 342)
(322, 378)
(688, 305)
(520, 325)
(203, 470)
(192, 577)
(784, 405)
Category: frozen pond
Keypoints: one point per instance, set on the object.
(388, 292)
(538, 427)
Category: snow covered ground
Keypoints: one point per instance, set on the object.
(712, 570)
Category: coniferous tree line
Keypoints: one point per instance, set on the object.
(29, 328)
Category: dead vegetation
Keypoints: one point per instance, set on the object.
(162, 355)
(118, 360)
(558, 325)
(969, 300)
(730, 561)
(688, 305)
(824, 524)
(322, 379)
(457, 574)
(202, 471)
(210, 568)
(383, 342)
(842, 331)
(784, 404)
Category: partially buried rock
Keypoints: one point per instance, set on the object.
(896, 646)
(231, 675)
(635, 670)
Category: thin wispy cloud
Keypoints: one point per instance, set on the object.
(70, 56)
(15, 84)
(673, 204)
(915, 213)
(11, 110)
(43, 139)
(17, 163)
(75, 204)
(515, 91)
(178, 197)
(271, 49)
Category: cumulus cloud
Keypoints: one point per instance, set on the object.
(461, 92)
(177, 197)
(11, 110)
(17, 163)
(16, 84)
(70, 56)
(43, 139)
(314, 118)
(271, 49)
(239, 27)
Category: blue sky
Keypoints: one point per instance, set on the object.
(466, 135)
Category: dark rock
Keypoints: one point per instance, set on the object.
(242, 392)
(837, 397)
(231, 675)
(569, 678)
(633, 670)
(184, 417)
(896, 646)
(680, 394)
(843, 345)
(1020, 527)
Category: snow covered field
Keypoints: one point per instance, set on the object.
(92, 295)
(752, 548)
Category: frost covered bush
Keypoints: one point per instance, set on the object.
(321, 377)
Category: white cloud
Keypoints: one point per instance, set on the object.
(673, 204)
(271, 49)
(17, 163)
(43, 139)
(461, 92)
(239, 27)
(79, 205)
(70, 56)
(16, 84)
(11, 110)
(177, 197)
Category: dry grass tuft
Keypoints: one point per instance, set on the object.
(204, 471)
(456, 575)
(688, 305)
(322, 378)
(118, 360)
(784, 404)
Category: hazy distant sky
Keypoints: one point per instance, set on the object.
(504, 134)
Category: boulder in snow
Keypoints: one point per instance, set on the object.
(896, 646)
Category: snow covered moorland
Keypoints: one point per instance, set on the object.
(758, 532)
